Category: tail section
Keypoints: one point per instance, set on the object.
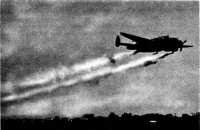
(117, 42)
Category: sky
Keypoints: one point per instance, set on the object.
(64, 45)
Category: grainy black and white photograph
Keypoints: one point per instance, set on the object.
(80, 59)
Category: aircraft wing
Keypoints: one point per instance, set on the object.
(134, 38)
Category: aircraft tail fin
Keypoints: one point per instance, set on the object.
(117, 42)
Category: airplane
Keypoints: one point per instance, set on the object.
(162, 43)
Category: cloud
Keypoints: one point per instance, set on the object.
(36, 108)
(97, 21)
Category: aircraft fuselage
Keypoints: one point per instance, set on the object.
(163, 43)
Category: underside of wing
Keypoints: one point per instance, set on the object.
(134, 37)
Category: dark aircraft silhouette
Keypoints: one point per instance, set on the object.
(163, 43)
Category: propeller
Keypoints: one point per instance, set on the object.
(181, 47)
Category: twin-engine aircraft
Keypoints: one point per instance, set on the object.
(163, 43)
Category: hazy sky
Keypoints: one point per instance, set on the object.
(37, 37)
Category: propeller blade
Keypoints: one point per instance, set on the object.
(186, 46)
(184, 41)
(181, 48)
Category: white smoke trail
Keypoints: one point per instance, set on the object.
(85, 77)
(134, 63)
(61, 72)
(44, 77)
(90, 64)
(98, 62)
(119, 56)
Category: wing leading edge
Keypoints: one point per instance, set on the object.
(134, 38)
